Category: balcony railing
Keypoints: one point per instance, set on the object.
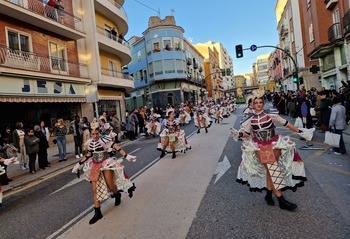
(57, 15)
(330, 4)
(116, 74)
(346, 22)
(335, 32)
(107, 33)
(34, 62)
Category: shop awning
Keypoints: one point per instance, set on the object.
(109, 97)
(46, 99)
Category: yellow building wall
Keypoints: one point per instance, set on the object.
(271, 86)
(105, 57)
(101, 21)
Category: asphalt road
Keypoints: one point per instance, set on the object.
(230, 210)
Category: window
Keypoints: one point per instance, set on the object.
(151, 71)
(158, 68)
(311, 33)
(177, 44)
(112, 68)
(170, 99)
(139, 55)
(156, 47)
(18, 41)
(169, 66)
(58, 57)
(167, 44)
(180, 66)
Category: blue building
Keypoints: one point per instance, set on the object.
(166, 67)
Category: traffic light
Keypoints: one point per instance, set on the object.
(239, 51)
(280, 85)
(295, 78)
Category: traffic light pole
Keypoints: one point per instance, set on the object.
(294, 62)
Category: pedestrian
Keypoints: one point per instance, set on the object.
(114, 34)
(337, 123)
(45, 130)
(325, 110)
(130, 126)
(77, 127)
(60, 131)
(116, 127)
(18, 143)
(103, 170)
(86, 131)
(32, 149)
(269, 161)
(43, 146)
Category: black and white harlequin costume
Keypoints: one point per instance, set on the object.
(101, 156)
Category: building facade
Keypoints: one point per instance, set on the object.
(166, 67)
(262, 67)
(49, 55)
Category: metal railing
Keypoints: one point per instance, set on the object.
(111, 36)
(346, 22)
(116, 74)
(55, 14)
(335, 32)
(34, 62)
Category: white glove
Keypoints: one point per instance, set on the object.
(307, 134)
(235, 134)
(12, 160)
(130, 158)
(77, 167)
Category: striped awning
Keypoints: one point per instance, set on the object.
(46, 99)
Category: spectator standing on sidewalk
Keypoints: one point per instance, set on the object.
(130, 126)
(325, 110)
(43, 146)
(337, 123)
(77, 127)
(18, 143)
(4, 180)
(86, 131)
(116, 127)
(32, 148)
(60, 131)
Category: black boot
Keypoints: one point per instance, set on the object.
(285, 205)
(198, 131)
(206, 130)
(174, 155)
(162, 154)
(117, 196)
(97, 216)
(131, 190)
(268, 198)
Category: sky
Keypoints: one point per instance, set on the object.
(231, 22)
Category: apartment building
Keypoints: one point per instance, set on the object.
(225, 62)
(166, 67)
(49, 54)
(275, 72)
(262, 67)
(212, 71)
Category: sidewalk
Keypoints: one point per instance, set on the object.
(21, 177)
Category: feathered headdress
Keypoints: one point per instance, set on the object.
(170, 109)
(255, 94)
(94, 124)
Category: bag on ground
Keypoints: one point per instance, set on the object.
(299, 123)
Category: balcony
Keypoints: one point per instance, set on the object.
(346, 22)
(116, 79)
(335, 32)
(31, 64)
(330, 4)
(44, 16)
(283, 33)
(114, 45)
(328, 67)
(113, 10)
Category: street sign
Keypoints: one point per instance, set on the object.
(253, 47)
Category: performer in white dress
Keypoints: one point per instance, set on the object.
(105, 172)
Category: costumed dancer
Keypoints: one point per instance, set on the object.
(172, 139)
(153, 126)
(184, 117)
(269, 161)
(104, 170)
(201, 119)
(218, 113)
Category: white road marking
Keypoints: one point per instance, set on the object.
(221, 168)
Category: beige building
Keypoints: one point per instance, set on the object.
(240, 81)
(225, 62)
(261, 68)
